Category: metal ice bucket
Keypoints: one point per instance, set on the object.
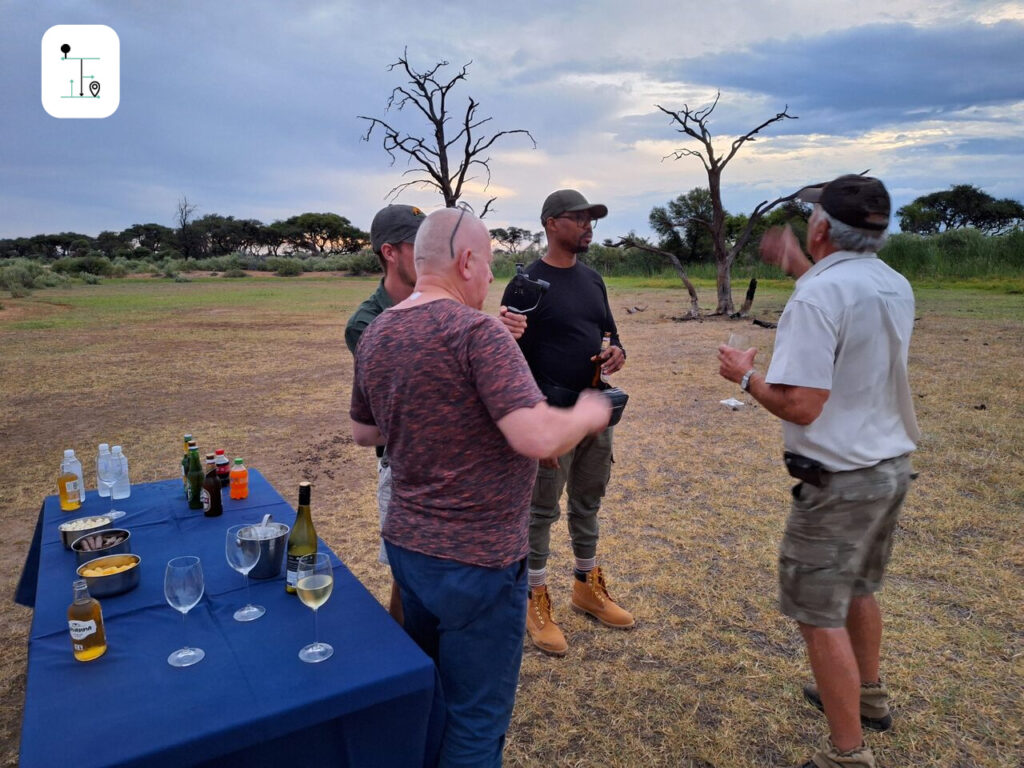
(273, 538)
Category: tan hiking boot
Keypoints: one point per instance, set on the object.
(828, 756)
(544, 633)
(591, 596)
(874, 705)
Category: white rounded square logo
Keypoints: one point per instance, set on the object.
(81, 66)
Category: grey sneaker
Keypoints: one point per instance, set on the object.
(874, 705)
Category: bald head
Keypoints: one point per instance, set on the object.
(434, 245)
(453, 254)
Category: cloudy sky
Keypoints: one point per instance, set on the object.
(250, 109)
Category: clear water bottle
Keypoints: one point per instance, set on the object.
(122, 488)
(103, 490)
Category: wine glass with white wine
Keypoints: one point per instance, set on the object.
(242, 549)
(313, 586)
(183, 588)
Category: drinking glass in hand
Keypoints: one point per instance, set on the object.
(242, 548)
(183, 588)
(313, 586)
(109, 471)
(738, 341)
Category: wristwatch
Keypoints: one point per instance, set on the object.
(745, 381)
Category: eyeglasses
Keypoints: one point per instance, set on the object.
(463, 208)
(581, 219)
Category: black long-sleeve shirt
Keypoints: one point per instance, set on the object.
(565, 330)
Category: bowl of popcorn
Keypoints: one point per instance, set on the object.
(74, 529)
(109, 541)
(111, 575)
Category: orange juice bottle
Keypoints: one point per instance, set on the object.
(69, 484)
(239, 481)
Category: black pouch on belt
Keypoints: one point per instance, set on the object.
(802, 468)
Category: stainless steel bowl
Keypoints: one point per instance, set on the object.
(69, 535)
(113, 583)
(122, 544)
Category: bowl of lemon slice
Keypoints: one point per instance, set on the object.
(111, 575)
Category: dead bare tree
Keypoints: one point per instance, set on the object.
(631, 242)
(694, 123)
(440, 161)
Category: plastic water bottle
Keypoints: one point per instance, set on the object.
(122, 488)
(103, 490)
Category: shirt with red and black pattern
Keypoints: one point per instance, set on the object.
(434, 379)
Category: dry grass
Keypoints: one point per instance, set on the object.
(711, 676)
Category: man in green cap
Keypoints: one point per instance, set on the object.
(562, 344)
(392, 234)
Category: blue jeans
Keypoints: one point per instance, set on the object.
(470, 621)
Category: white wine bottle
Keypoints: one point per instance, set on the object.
(302, 539)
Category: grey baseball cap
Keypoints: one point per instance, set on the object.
(395, 224)
(860, 201)
(569, 201)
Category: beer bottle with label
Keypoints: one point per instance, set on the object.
(85, 623)
(302, 539)
(213, 501)
(606, 342)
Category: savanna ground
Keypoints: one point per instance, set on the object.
(711, 675)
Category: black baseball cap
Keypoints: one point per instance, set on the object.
(569, 201)
(860, 201)
(395, 224)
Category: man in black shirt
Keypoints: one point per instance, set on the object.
(562, 344)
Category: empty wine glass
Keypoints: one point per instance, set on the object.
(314, 585)
(242, 548)
(109, 471)
(183, 588)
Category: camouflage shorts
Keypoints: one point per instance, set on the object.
(838, 539)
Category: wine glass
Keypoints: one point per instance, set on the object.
(313, 586)
(183, 588)
(109, 472)
(242, 548)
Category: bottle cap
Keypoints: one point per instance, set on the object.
(191, 444)
(104, 447)
(238, 461)
(209, 458)
(304, 488)
(69, 453)
(219, 451)
(188, 437)
(116, 449)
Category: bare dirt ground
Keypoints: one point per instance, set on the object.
(711, 675)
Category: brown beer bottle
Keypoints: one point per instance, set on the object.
(213, 501)
(606, 342)
(85, 622)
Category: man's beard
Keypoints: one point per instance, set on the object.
(581, 247)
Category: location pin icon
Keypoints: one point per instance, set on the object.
(65, 49)
(94, 87)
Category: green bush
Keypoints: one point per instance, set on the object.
(234, 272)
(364, 262)
(284, 267)
(89, 278)
(21, 276)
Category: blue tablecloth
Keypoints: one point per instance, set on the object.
(251, 701)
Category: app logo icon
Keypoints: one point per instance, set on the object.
(81, 70)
